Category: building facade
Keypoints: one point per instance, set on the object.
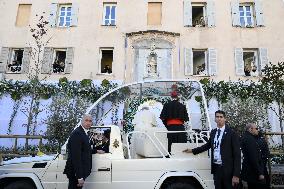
(135, 40)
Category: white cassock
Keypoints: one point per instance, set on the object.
(145, 121)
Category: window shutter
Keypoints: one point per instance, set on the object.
(259, 13)
(235, 13)
(69, 60)
(26, 59)
(239, 62)
(74, 14)
(212, 56)
(263, 56)
(188, 61)
(210, 13)
(187, 13)
(53, 15)
(4, 57)
(47, 60)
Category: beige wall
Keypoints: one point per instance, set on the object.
(89, 36)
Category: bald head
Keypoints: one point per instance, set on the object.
(87, 121)
(252, 128)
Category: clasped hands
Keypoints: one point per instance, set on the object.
(80, 182)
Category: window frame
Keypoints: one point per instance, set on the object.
(11, 59)
(100, 60)
(111, 5)
(256, 60)
(54, 57)
(204, 7)
(245, 16)
(205, 51)
(65, 16)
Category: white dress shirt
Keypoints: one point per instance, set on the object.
(217, 143)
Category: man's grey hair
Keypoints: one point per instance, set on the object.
(249, 125)
(86, 116)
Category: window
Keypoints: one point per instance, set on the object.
(199, 14)
(100, 140)
(154, 16)
(23, 15)
(109, 18)
(202, 62)
(64, 17)
(106, 60)
(250, 62)
(59, 61)
(246, 16)
(16, 61)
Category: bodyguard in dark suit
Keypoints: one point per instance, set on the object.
(253, 165)
(225, 154)
(79, 162)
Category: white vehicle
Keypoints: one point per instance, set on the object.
(137, 158)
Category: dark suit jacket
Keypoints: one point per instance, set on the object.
(230, 151)
(174, 110)
(252, 161)
(79, 161)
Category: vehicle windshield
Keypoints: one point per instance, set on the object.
(120, 105)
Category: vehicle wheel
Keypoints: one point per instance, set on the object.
(21, 184)
(180, 185)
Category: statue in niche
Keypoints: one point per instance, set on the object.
(152, 66)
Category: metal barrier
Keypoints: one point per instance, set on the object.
(15, 152)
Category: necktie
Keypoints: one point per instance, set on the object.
(89, 136)
(218, 134)
(216, 142)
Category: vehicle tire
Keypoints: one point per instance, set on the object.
(21, 184)
(180, 185)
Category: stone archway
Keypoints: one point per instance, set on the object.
(152, 56)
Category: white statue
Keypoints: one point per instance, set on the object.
(152, 67)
